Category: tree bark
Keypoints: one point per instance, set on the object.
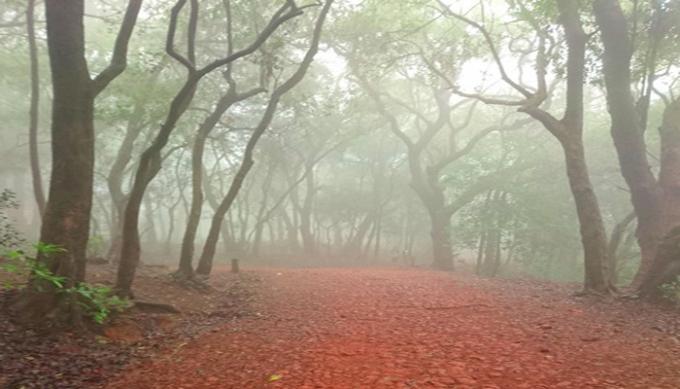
(669, 174)
(593, 235)
(626, 130)
(665, 268)
(440, 224)
(66, 221)
(569, 131)
(34, 113)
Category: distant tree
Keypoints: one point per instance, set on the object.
(247, 161)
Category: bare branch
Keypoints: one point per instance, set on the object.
(492, 48)
(120, 49)
(286, 12)
(170, 39)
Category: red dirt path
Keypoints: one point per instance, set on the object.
(369, 328)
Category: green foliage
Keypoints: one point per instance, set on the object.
(19, 262)
(97, 300)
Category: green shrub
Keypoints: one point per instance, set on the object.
(98, 301)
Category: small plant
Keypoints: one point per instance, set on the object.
(19, 262)
(97, 300)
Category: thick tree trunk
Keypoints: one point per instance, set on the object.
(593, 235)
(569, 131)
(66, 220)
(669, 174)
(626, 129)
(440, 223)
(666, 266)
(34, 109)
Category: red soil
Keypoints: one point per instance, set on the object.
(369, 328)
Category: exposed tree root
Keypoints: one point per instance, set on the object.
(152, 307)
(191, 281)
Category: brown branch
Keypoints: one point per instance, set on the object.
(380, 105)
(170, 39)
(492, 48)
(120, 49)
(286, 12)
(462, 152)
(191, 32)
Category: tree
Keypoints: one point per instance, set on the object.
(423, 123)
(654, 199)
(66, 221)
(231, 97)
(568, 131)
(151, 159)
(247, 161)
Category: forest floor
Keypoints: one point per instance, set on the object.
(405, 328)
(44, 357)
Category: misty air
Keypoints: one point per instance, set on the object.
(470, 194)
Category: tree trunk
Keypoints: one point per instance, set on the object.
(613, 246)
(208, 254)
(593, 235)
(34, 109)
(185, 267)
(66, 221)
(627, 131)
(442, 255)
(669, 174)
(666, 266)
(148, 168)
(308, 239)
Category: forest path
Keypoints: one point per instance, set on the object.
(392, 328)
